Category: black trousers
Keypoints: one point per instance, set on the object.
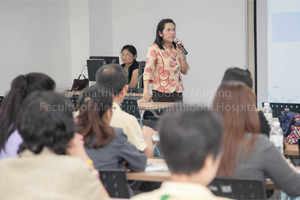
(166, 97)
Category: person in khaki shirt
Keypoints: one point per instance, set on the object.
(191, 144)
(52, 164)
(114, 77)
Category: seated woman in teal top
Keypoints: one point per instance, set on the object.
(131, 66)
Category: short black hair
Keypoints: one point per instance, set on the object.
(46, 121)
(238, 74)
(113, 77)
(160, 28)
(130, 48)
(188, 134)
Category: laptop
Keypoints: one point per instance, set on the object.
(92, 66)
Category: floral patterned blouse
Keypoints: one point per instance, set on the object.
(163, 69)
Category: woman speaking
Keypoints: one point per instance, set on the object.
(164, 65)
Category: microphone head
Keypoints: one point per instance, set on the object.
(176, 40)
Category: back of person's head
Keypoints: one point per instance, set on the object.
(21, 87)
(94, 116)
(46, 121)
(238, 74)
(235, 102)
(113, 77)
(188, 136)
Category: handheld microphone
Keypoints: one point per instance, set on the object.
(180, 46)
(138, 84)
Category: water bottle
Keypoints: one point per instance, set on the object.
(267, 110)
(276, 136)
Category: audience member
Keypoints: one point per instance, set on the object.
(191, 143)
(247, 154)
(114, 78)
(106, 146)
(43, 170)
(244, 75)
(131, 66)
(21, 87)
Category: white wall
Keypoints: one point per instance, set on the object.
(101, 33)
(262, 52)
(35, 37)
(80, 36)
(214, 34)
(52, 37)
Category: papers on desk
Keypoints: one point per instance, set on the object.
(155, 138)
(157, 168)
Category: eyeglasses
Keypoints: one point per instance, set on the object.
(126, 55)
(171, 30)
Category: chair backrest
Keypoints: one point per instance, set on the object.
(1, 99)
(279, 107)
(142, 65)
(74, 100)
(238, 188)
(115, 183)
(131, 107)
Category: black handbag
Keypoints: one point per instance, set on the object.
(80, 84)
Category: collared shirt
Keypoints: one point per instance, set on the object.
(47, 176)
(163, 69)
(179, 191)
(130, 126)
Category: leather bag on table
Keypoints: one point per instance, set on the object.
(80, 84)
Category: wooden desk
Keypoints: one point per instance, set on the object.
(165, 176)
(150, 176)
(156, 105)
(134, 94)
(66, 91)
(61, 90)
(155, 142)
(291, 150)
(117, 199)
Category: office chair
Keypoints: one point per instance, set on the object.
(279, 107)
(238, 188)
(115, 182)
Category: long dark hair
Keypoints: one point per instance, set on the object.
(235, 102)
(46, 121)
(94, 102)
(21, 87)
(160, 28)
